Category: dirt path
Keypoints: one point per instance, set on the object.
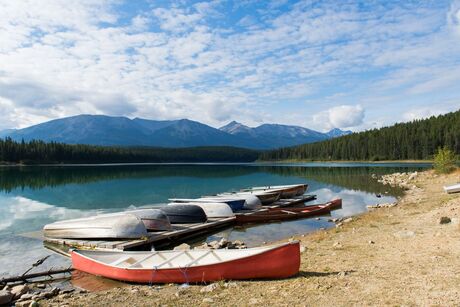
(389, 256)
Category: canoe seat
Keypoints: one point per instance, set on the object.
(126, 261)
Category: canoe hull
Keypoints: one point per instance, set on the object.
(281, 215)
(281, 262)
(332, 205)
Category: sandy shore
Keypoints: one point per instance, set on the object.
(390, 256)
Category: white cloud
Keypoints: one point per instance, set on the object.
(345, 116)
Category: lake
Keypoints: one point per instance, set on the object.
(33, 196)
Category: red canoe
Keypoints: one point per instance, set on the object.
(332, 205)
(277, 261)
(284, 214)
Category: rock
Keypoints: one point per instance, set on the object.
(18, 291)
(342, 274)
(209, 288)
(404, 234)
(303, 248)
(5, 297)
(202, 246)
(337, 245)
(318, 219)
(41, 286)
(253, 301)
(22, 303)
(347, 220)
(208, 300)
(338, 225)
(371, 242)
(214, 244)
(231, 284)
(182, 247)
(33, 304)
(223, 243)
(26, 296)
(444, 220)
(7, 288)
(238, 242)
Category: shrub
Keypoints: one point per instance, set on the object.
(444, 160)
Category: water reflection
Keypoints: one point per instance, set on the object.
(31, 197)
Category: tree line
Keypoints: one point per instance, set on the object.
(39, 152)
(416, 140)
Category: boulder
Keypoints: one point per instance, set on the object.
(5, 297)
(19, 290)
(444, 220)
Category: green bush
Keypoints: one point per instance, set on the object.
(444, 160)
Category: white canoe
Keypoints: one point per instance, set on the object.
(455, 188)
(265, 197)
(251, 201)
(116, 226)
(212, 210)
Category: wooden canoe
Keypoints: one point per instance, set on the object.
(455, 188)
(287, 191)
(212, 210)
(116, 226)
(194, 266)
(267, 216)
(332, 205)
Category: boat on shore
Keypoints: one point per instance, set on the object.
(212, 210)
(265, 197)
(287, 191)
(234, 204)
(108, 226)
(455, 188)
(195, 266)
(185, 214)
(282, 214)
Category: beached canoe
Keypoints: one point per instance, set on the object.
(117, 226)
(235, 204)
(185, 214)
(267, 216)
(287, 191)
(265, 197)
(212, 210)
(251, 202)
(191, 266)
(455, 188)
(332, 205)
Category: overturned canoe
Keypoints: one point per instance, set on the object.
(185, 214)
(267, 216)
(277, 261)
(455, 188)
(287, 191)
(265, 197)
(110, 226)
(251, 202)
(235, 204)
(212, 210)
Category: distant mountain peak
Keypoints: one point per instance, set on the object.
(336, 132)
(235, 127)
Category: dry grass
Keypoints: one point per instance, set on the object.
(398, 268)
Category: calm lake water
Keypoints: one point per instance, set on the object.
(31, 197)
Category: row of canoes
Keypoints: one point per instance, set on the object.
(137, 223)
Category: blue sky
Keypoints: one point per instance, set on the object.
(317, 64)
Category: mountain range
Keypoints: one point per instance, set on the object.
(122, 131)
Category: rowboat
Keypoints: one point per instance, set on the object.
(332, 205)
(191, 266)
(265, 197)
(116, 226)
(287, 191)
(234, 204)
(212, 210)
(455, 188)
(281, 215)
(185, 214)
(251, 202)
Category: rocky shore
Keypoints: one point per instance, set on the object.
(404, 253)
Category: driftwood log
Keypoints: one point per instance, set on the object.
(24, 277)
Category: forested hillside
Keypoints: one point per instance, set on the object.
(415, 140)
(40, 152)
